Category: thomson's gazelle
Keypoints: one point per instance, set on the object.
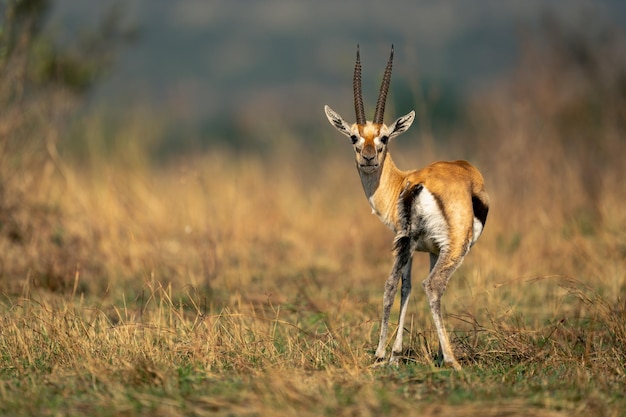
(440, 209)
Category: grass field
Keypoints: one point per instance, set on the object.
(227, 284)
(197, 289)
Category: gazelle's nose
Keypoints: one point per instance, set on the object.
(368, 153)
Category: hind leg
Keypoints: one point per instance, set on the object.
(442, 268)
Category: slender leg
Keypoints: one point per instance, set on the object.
(434, 286)
(405, 291)
(391, 287)
(402, 258)
(433, 261)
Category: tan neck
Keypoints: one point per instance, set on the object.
(382, 189)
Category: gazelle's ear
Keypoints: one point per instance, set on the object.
(402, 124)
(336, 120)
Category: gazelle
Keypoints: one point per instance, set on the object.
(440, 209)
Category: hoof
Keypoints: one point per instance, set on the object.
(394, 360)
(379, 362)
(450, 364)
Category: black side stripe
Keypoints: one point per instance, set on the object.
(480, 209)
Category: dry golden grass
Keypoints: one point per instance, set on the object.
(234, 284)
(196, 288)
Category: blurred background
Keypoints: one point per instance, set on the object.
(153, 138)
(241, 71)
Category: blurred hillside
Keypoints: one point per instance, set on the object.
(222, 70)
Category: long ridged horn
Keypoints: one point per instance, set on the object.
(384, 88)
(358, 94)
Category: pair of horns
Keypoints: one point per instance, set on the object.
(382, 95)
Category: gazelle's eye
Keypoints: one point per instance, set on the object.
(354, 139)
(384, 139)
